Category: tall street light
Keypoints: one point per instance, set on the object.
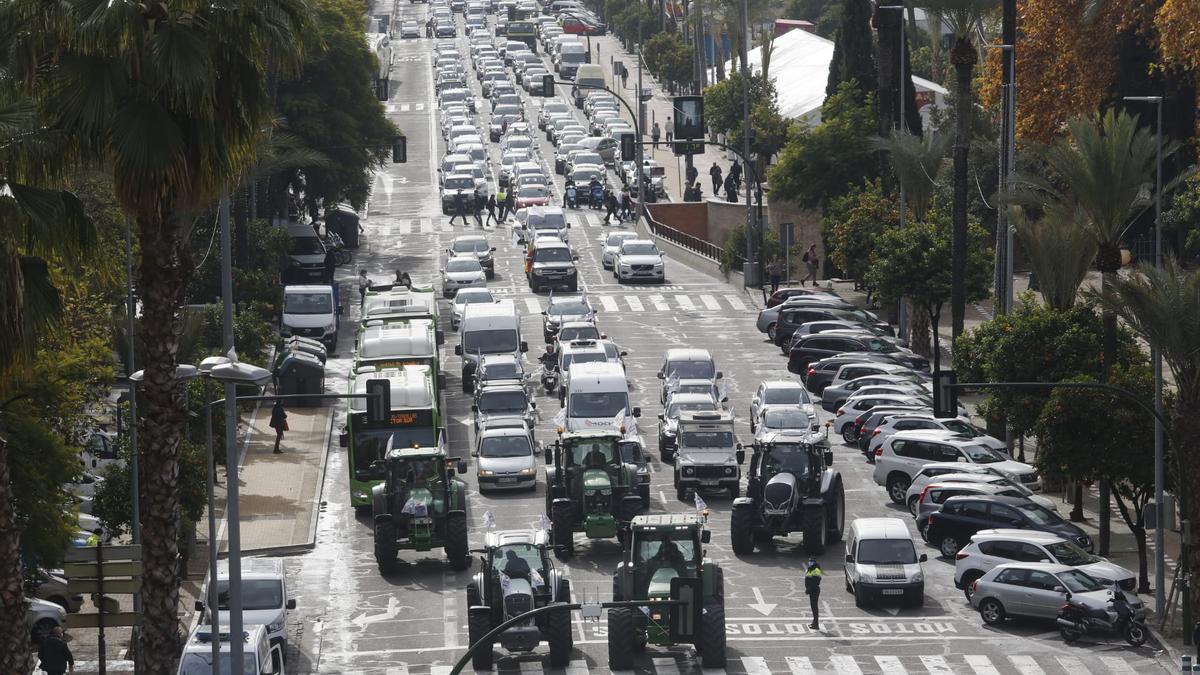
(901, 97)
(1160, 567)
(746, 132)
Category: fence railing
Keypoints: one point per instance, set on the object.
(692, 243)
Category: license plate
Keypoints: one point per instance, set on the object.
(892, 591)
(508, 480)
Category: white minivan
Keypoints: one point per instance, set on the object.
(596, 394)
(311, 311)
(882, 563)
(265, 598)
(258, 656)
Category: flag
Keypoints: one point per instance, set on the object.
(536, 579)
(700, 505)
(489, 521)
(560, 420)
(417, 508)
(504, 582)
(619, 419)
(545, 523)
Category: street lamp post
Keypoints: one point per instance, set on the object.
(901, 95)
(1160, 570)
(746, 131)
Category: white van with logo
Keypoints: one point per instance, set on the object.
(596, 393)
(882, 563)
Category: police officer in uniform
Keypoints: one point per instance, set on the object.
(812, 587)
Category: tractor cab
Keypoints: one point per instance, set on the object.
(590, 487)
(413, 505)
(801, 457)
(660, 554)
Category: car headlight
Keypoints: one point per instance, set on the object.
(275, 627)
(361, 495)
(485, 473)
(331, 328)
(729, 470)
(866, 578)
(918, 578)
(571, 271)
(642, 470)
(689, 470)
(528, 471)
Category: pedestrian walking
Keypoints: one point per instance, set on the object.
(460, 208)
(1196, 639)
(655, 133)
(624, 78)
(775, 270)
(812, 588)
(610, 206)
(54, 654)
(730, 189)
(692, 173)
(814, 264)
(715, 173)
(491, 209)
(501, 202)
(364, 285)
(402, 279)
(736, 172)
(330, 266)
(480, 203)
(278, 423)
(670, 131)
(626, 205)
(510, 202)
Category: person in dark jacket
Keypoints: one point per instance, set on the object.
(715, 173)
(730, 189)
(491, 209)
(278, 423)
(812, 588)
(692, 173)
(610, 206)
(55, 655)
(479, 205)
(510, 202)
(460, 208)
(736, 172)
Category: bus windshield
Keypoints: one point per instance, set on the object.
(373, 444)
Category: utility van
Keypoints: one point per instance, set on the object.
(882, 563)
(588, 77)
(311, 311)
(306, 255)
(707, 454)
(596, 394)
(258, 656)
(265, 598)
(493, 328)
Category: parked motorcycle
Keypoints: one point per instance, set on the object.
(334, 244)
(1076, 620)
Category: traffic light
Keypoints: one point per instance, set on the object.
(379, 401)
(399, 150)
(689, 117)
(548, 86)
(627, 148)
(945, 395)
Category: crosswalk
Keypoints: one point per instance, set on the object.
(385, 185)
(404, 107)
(839, 664)
(622, 304)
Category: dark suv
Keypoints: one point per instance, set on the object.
(820, 373)
(809, 348)
(961, 517)
(791, 318)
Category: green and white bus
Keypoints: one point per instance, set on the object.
(394, 343)
(415, 421)
(400, 302)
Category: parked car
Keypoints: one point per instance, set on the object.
(961, 472)
(809, 348)
(902, 455)
(961, 517)
(1037, 590)
(991, 548)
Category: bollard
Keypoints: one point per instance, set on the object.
(1187, 664)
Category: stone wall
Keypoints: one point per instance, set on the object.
(687, 217)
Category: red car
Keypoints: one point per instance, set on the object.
(532, 195)
(574, 26)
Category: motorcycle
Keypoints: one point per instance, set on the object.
(333, 243)
(549, 378)
(597, 197)
(572, 197)
(1076, 620)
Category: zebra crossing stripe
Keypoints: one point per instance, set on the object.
(426, 225)
(844, 665)
(800, 665)
(735, 302)
(755, 665)
(1118, 665)
(684, 302)
(710, 302)
(533, 306)
(936, 665)
(414, 225)
(660, 305)
(634, 303)
(890, 665)
(440, 670)
(531, 667)
(1071, 664)
(1026, 665)
(608, 303)
(982, 665)
(396, 670)
(577, 667)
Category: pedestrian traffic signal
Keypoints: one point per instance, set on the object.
(945, 395)
(548, 86)
(379, 401)
(627, 148)
(399, 150)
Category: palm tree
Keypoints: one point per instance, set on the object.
(1060, 252)
(1162, 306)
(37, 224)
(172, 98)
(963, 17)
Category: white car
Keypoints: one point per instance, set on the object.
(409, 29)
(989, 548)
(467, 296)
(42, 617)
(639, 259)
(612, 242)
(903, 455)
(506, 457)
(462, 271)
(920, 420)
(962, 472)
(783, 419)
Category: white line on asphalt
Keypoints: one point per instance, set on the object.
(890, 665)
(844, 665)
(755, 665)
(1118, 665)
(396, 670)
(634, 303)
(684, 302)
(710, 302)
(981, 664)
(1025, 665)
(441, 670)
(662, 496)
(660, 305)
(608, 302)
(578, 667)
(1071, 664)
(450, 629)
(666, 666)
(735, 302)
(533, 306)
(936, 665)
(800, 665)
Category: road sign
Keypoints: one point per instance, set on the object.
(107, 553)
(92, 570)
(120, 586)
(683, 148)
(110, 620)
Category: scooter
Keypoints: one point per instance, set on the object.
(572, 197)
(597, 197)
(1076, 620)
(549, 378)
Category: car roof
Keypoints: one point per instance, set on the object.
(692, 397)
(941, 435)
(504, 426)
(1053, 568)
(781, 384)
(688, 354)
(637, 241)
(887, 528)
(995, 499)
(1034, 536)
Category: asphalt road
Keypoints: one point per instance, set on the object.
(350, 619)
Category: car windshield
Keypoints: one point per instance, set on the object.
(691, 406)
(569, 308)
(472, 245)
(583, 357)
(496, 341)
(532, 191)
(1079, 582)
(585, 175)
(639, 249)
(616, 239)
(962, 428)
(307, 303)
(460, 182)
(256, 594)
(588, 158)
(472, 298)
(785, 395)
(1039, 514)
(706, 439)
(1067, 553)
(462, 265)
(306, 246)
(554, 254)
(692, 370)
(506, 109)
(200, 663)
(886, 552)
(502, 371)
(505, 446)
(881, 346)
(578, 333)
(599, 404)
(980, 454)
(555, 220)
(703, 388)
(786, 419)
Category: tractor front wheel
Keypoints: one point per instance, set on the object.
(456, 542)
(621, 636)
(559, 634)
(385, 547)
(814, 530)
(741, 529)
(564, 536)
(479, 623)
(837, 514)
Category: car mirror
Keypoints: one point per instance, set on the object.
(474, 408)
(828, 457)
(524, 346)
(492, 249)
(1060, 589)
(545, 314)
(705, 536)
(343, 439)
(849, 558)
(740, 455)
(474, 453)
(637, 411)
(458, 350)
(339, 310)
(660, 376)
(291, 603)
(462, 466)
(199, 606)
(623, 353)
(533, 405)
(660, 417)
(720, 375)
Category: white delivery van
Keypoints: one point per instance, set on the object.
(265, 598)
(588, 77)
(258, 656)
(882, 563)
(311, 311)
(596, 393)
(306, 254)
(488, 328)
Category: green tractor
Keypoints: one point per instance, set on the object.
(590, 488)
(791, 489)
(663, 554)
(419, 506)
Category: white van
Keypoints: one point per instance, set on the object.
(590, 74)
(306, 254)
(265, 598)
(488, 328)
(882, 563)
(258, 656)
(311, 311)
(596, 393)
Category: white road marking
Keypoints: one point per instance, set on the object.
(608, 302)
(450, 629)
(405, 106)
(660, 304)
(533, 306)
(755, 665)
(936, 665)
(440, 670)
(635, 305)
(396, 670)
(1071, 664)
(1118, 665)
(578, 667)
(844, 665)
(666, 666)
(426, 225)
(981, 664)
(1026, 665)
(684, 302)
(800, 665)
(890, 665)
(662, 496)
(710, 302)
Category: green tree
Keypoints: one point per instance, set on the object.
(1182, 219)
(113, 504)
(668, 59)
(171, 99)
(911, 263)
(723, 110)
(823, 162)
(855, 222)
(853, 51)
(1075, 442)
(332, 107)
(771, 130)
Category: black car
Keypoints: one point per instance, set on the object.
(960, 518)
(819, 374)
(815, 347)
(792, 317)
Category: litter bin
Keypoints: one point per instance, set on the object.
(302, 344)
(344, 221)
(301, 373)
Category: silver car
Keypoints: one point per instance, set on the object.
(506, 457)
(612, 242)
(968, 473)
(778, 392)
(1038, 590)
(467, 296)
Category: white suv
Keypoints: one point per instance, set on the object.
(966, 473)
(856, 405)
(903, 455)
(989, 548)
(926, 421)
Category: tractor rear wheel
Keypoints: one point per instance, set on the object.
(741, 529)
(814, 530)
(559, 634)
(712, 636)
(456, 547)
(621, 636)
(836, 514)
(479, 624)
(385, 547)
(564, 537)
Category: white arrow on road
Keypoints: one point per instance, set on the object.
(765, 608)
(392, 610)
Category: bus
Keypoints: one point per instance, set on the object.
(415, 422)
(394, 343)
(400, 302)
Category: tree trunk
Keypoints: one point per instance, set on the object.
(165, 266)
(241, 230)
(1137, 527)
(918, 331)
(934, 319)
(1077, 509)
(886, 23)
(14, 635)
(935, 46)
(719, 54)
(964, 58)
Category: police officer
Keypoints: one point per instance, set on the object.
(812, 587)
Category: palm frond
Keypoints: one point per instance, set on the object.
(1060, 252)
(917, 162)
(962, 17)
